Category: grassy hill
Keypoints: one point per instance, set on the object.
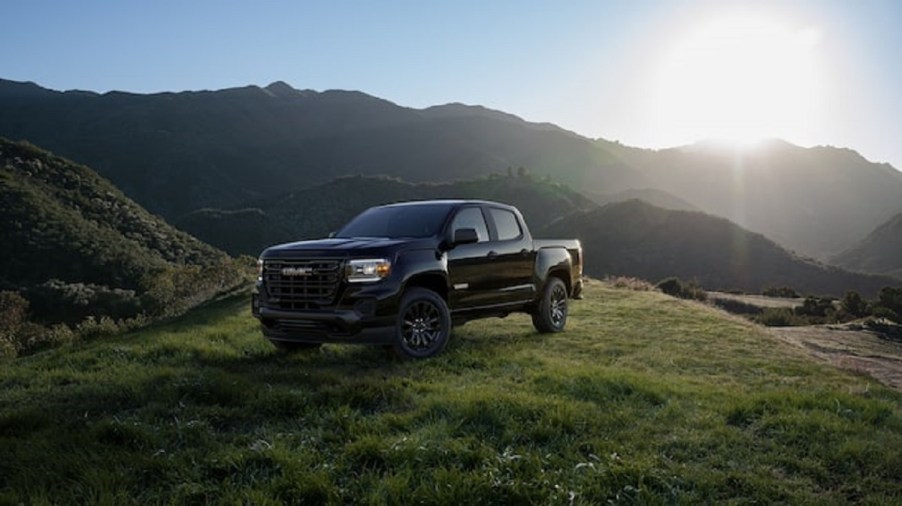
(75, 246)
(879, 253)
(645, 399)
(315, 211)
(637, 239)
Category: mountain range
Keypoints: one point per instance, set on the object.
(175, 153)
(263, 160)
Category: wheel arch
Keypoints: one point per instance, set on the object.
(553, 262)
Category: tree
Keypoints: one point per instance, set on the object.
(852, 304)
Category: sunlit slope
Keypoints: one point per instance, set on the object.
(644, 398)
(637, 239)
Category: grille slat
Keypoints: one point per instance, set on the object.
(307, 284)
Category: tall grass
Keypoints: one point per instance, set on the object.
(644, 398)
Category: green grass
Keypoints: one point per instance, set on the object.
(645, 399)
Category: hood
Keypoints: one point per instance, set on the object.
(345, 247)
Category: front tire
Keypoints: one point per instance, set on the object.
(551, 313)
(423, 325)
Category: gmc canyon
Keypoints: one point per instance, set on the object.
(401, 275)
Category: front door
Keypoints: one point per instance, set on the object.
(468, 266)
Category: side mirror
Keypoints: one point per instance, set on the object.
(331, 234)
(465, 236)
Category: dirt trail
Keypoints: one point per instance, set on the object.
(862, 351)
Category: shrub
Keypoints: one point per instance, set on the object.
(93, 327)
(783, 291)
(630, 283)
(816, 306)
(778, 317)
(676, 288)
(890, 299)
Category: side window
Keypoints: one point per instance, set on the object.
(471, 217)
(506, 223)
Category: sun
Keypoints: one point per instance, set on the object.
(740, 78)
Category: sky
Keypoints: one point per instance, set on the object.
(645, 73)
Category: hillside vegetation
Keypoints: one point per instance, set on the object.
(74, 246)
(644, 399)
(637, 239)
(314, 212)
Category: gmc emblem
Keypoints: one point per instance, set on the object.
(297, 271)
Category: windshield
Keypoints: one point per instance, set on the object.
(417, 221)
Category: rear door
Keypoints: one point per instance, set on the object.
(511, 257)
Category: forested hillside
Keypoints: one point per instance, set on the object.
(74, 246)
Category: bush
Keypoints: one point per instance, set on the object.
(58, 301)
(676, 288)
(783, 292)
(93, 327)
(890, 300)
(778, 317)
(629, 283)
(820, 307)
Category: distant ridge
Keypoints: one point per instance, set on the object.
(817, 201)
(634, 238)
(879, 253)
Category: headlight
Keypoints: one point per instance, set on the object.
(371, 269)
(259, 268)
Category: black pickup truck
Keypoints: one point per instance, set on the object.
(401, 275)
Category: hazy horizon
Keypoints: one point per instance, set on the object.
(651, 74)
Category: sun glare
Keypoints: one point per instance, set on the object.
(741, 79)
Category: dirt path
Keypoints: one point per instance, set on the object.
(861, 351)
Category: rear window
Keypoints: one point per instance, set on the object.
(506, 223)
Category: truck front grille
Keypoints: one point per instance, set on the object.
(302, 284)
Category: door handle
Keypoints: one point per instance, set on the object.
(492, 255)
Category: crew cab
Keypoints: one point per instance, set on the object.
(402, 275)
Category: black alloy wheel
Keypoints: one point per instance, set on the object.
(551, 313)
(423, 326)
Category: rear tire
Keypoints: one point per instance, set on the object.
(423, 325)
(294, 347)
(551, 313)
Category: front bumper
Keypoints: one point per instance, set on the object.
(364, 314)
